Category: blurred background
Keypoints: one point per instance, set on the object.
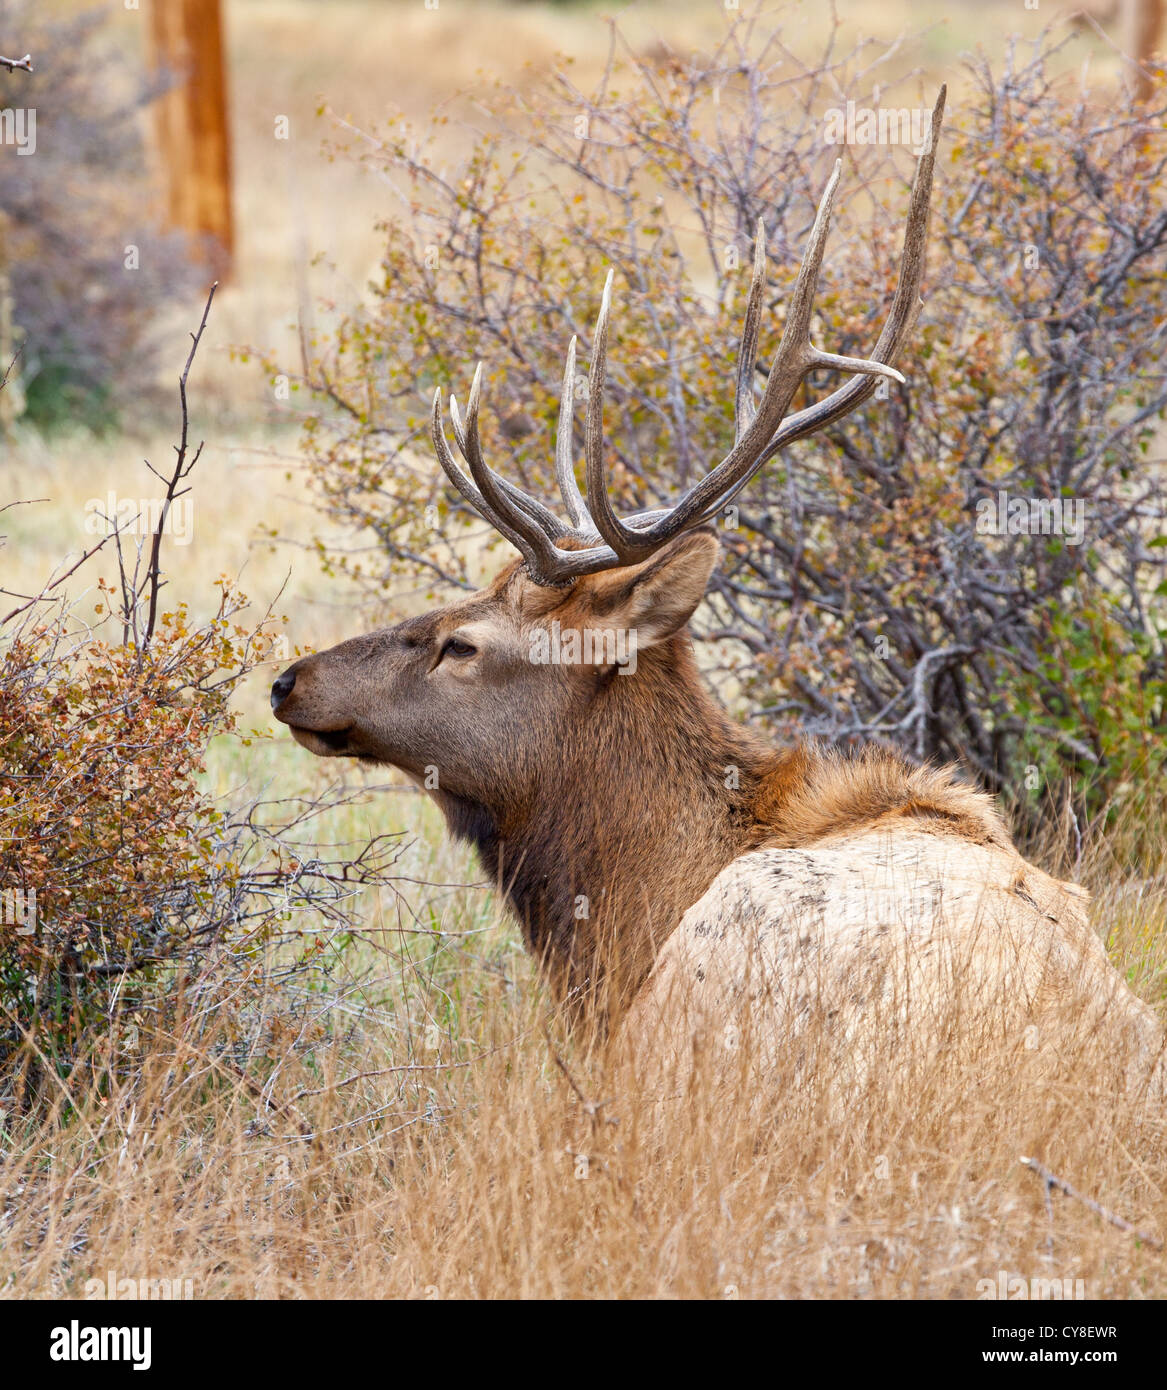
(205, 134)
(288, 148)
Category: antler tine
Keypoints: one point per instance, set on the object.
(573, 500)
(904, 308)
(523, 533)
(797, 330)
(543, 516)
(539, 550)
(463, 484)
(547, 564)
(743, 404)
(796, 333)
(535, 509)
(629, 545)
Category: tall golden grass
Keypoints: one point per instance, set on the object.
(447, 1140)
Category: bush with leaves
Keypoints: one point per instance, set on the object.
(868, 591)
(134, 906)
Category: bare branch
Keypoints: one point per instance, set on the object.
(1052, 1180)
(181, 468)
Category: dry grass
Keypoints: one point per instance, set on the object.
(440, 1143)
(462, 1161)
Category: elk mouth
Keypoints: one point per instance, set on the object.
(323, 742)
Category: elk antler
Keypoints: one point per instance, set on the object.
(761, 429)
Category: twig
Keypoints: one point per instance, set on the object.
(392, 1071)
(181, 468)
(1052, 1180)
(1131, 60)
(8, 370)
(591, 1108)
(12, 64)
(256, 1091)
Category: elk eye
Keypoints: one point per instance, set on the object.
(454, 646)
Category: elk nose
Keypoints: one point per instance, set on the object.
(281, 688)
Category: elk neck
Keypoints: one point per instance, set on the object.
(622, 828)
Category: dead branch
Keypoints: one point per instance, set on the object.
(8, 370)
(404, 1067)
(1051, 1180)
(153, 578)
(591, 1108)
(59, 580)
(17, 64)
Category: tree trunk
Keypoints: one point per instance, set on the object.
(187, 41)
(1142, 25)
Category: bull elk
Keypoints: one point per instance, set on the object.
(642, 838)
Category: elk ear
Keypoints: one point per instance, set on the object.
(660, 595)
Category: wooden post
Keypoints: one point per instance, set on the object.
(11, 336)
(186, 39)
(1142, 26)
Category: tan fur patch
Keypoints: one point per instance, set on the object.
(818, 796)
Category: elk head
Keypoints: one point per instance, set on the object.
(478, 699)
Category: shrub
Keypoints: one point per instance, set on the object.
(133, 904)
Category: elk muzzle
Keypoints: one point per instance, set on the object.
(290, 707)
